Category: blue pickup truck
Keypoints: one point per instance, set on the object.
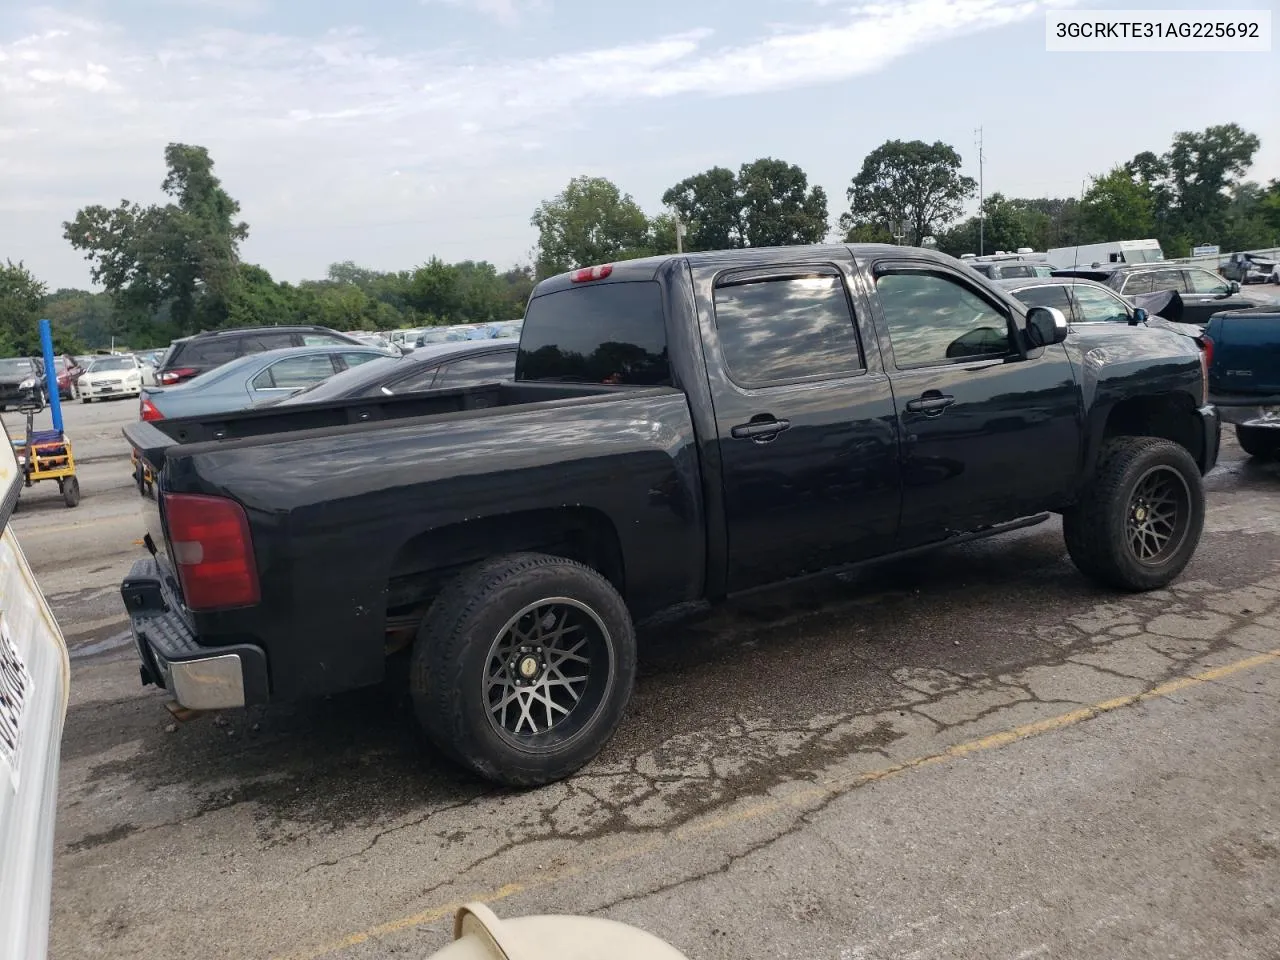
(1243, 349)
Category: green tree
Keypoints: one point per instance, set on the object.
(21, 297)
(1117, 206)
(591, 221)
(84, 318)
(710, 208)
(182, 256)
(767, 202)
(1191, 184)
(778, 205)
(915, 182)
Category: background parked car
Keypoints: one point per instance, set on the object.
(149, 360)
(19, 376)
(437, 366)
(1202, 292)
(69, 372)
(189, 357)
(251, 380)
(1081, 301)
(111, 376)
(1251, 268)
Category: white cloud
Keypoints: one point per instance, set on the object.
(507, 12)
(308, 132)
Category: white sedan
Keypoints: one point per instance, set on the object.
(114, 376)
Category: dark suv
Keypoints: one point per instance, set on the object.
(192, 356)
(1203, 292)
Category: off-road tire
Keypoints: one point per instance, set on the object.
(451, 658)
(1095, 528)
(1260, 442)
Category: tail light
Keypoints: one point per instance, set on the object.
(213, 551)
(587, 274)
(170, 377)
(1206, 361)
(147, 410)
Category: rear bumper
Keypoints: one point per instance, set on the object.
(199, 677)
(109, 390)
(1255, 411)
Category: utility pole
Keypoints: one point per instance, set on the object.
(982, 217)
(679, 231)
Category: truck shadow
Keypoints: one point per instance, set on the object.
(826, 646)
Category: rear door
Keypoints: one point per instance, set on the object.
(804, 419)
(989, 433)
(290, 375)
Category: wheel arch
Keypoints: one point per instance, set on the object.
(430, 558)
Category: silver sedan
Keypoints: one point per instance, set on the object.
(254, 379)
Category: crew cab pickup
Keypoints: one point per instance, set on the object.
(679, 429)
(1244, 375)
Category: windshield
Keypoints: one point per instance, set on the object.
(9, 367)
(112, 363)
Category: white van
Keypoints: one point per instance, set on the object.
(1100, 254)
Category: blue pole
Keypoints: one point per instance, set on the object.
(51, 374)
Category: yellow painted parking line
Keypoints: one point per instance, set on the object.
(811, 794)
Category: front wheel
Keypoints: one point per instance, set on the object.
(71, 491)
(1139, 521)
(523, 667)
(1260, 442)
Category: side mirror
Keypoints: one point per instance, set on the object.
(1138, 316)
(1233, 287)
(1045, 327)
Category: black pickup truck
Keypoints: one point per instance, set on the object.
(680, 429)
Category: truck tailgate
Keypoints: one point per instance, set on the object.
(1246, 352)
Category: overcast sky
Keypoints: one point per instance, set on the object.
(389, 131)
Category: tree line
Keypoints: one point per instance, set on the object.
(1193, 193)
(173, 269)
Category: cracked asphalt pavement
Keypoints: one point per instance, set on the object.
(969, 754)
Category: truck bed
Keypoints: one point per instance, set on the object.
(152, 438)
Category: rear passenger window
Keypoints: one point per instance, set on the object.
(1016, 272)
(210, 353)
(782, 328)
(259, 342)
(321, 340)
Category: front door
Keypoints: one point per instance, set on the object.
(1209, 294)
(804, 418)
(990, 433)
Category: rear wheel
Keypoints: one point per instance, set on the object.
(70, 491)
(1139, 521)
(1260, 442)
(523, 668)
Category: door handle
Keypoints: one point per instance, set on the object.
(931, 403)
(760, 431)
